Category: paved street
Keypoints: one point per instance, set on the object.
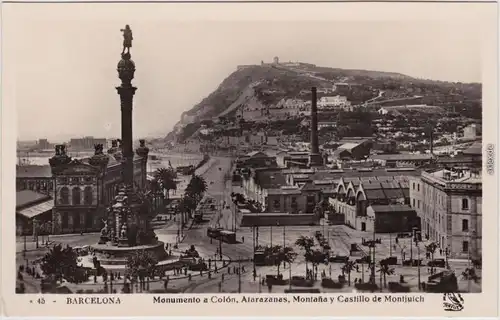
(339, 237)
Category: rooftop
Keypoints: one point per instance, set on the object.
(391, 208)
(402, 157)
(33, 171)
(27, 197)
(349, 146)
(456, 175)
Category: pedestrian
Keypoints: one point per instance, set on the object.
(189, 277)
(243, 268)
(242, 239)
(201, 273)
(397, 240)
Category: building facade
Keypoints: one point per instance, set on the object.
(83, 188)
(449, 203)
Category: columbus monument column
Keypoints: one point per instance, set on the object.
(127, 226)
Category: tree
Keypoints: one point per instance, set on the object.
(278, 255)
(348, 267)
(140, 264)
(385, 270)
(61, 264)
(315, 257)
(166, 177)
(187, 204)
(306, 243)
(431, 249)
(237, 198)
(196, 187)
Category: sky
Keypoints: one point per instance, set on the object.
(61, 71)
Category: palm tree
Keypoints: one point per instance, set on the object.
(348, 267)
(196, 187)
(306, 243)
(166, 177)
(385, 270)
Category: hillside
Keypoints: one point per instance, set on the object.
(268, 84)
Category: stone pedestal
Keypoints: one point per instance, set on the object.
(123, 242)
(103, 240)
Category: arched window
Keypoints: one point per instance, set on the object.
(64, 195)
(87, 196)
(76, 196)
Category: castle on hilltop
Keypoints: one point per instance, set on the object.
(276, 62)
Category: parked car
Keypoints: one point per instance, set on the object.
(300, 281)
(398, 287)
(364, 259)
(339, 259)
(330, 283)
(440, 263)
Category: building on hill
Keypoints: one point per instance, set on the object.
(33, 211)
(333, 102)
(352, 151)
(256, 159)
(449, 203)
(402, 159)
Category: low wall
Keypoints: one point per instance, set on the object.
(263, 219)
(336, 218)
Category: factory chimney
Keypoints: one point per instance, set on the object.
(315, 158)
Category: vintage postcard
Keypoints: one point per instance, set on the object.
(224, 159)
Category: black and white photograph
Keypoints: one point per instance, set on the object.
(159, 156)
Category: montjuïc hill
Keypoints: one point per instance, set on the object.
(265, 85)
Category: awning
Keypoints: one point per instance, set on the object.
(38, 209)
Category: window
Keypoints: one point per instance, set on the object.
(89, 219)
(76, 196)
(413, 185)
(465, 246)
(64, 195)
(76, 220)
(418, 186)
(465, 225)
(418, 204)
(465, 204)
(88, 196)
(414, 201)
(276, 204)
(64, 220)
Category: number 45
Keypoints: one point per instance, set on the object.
(41, 301)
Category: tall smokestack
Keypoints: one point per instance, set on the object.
(432, 141)
(315, 158)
